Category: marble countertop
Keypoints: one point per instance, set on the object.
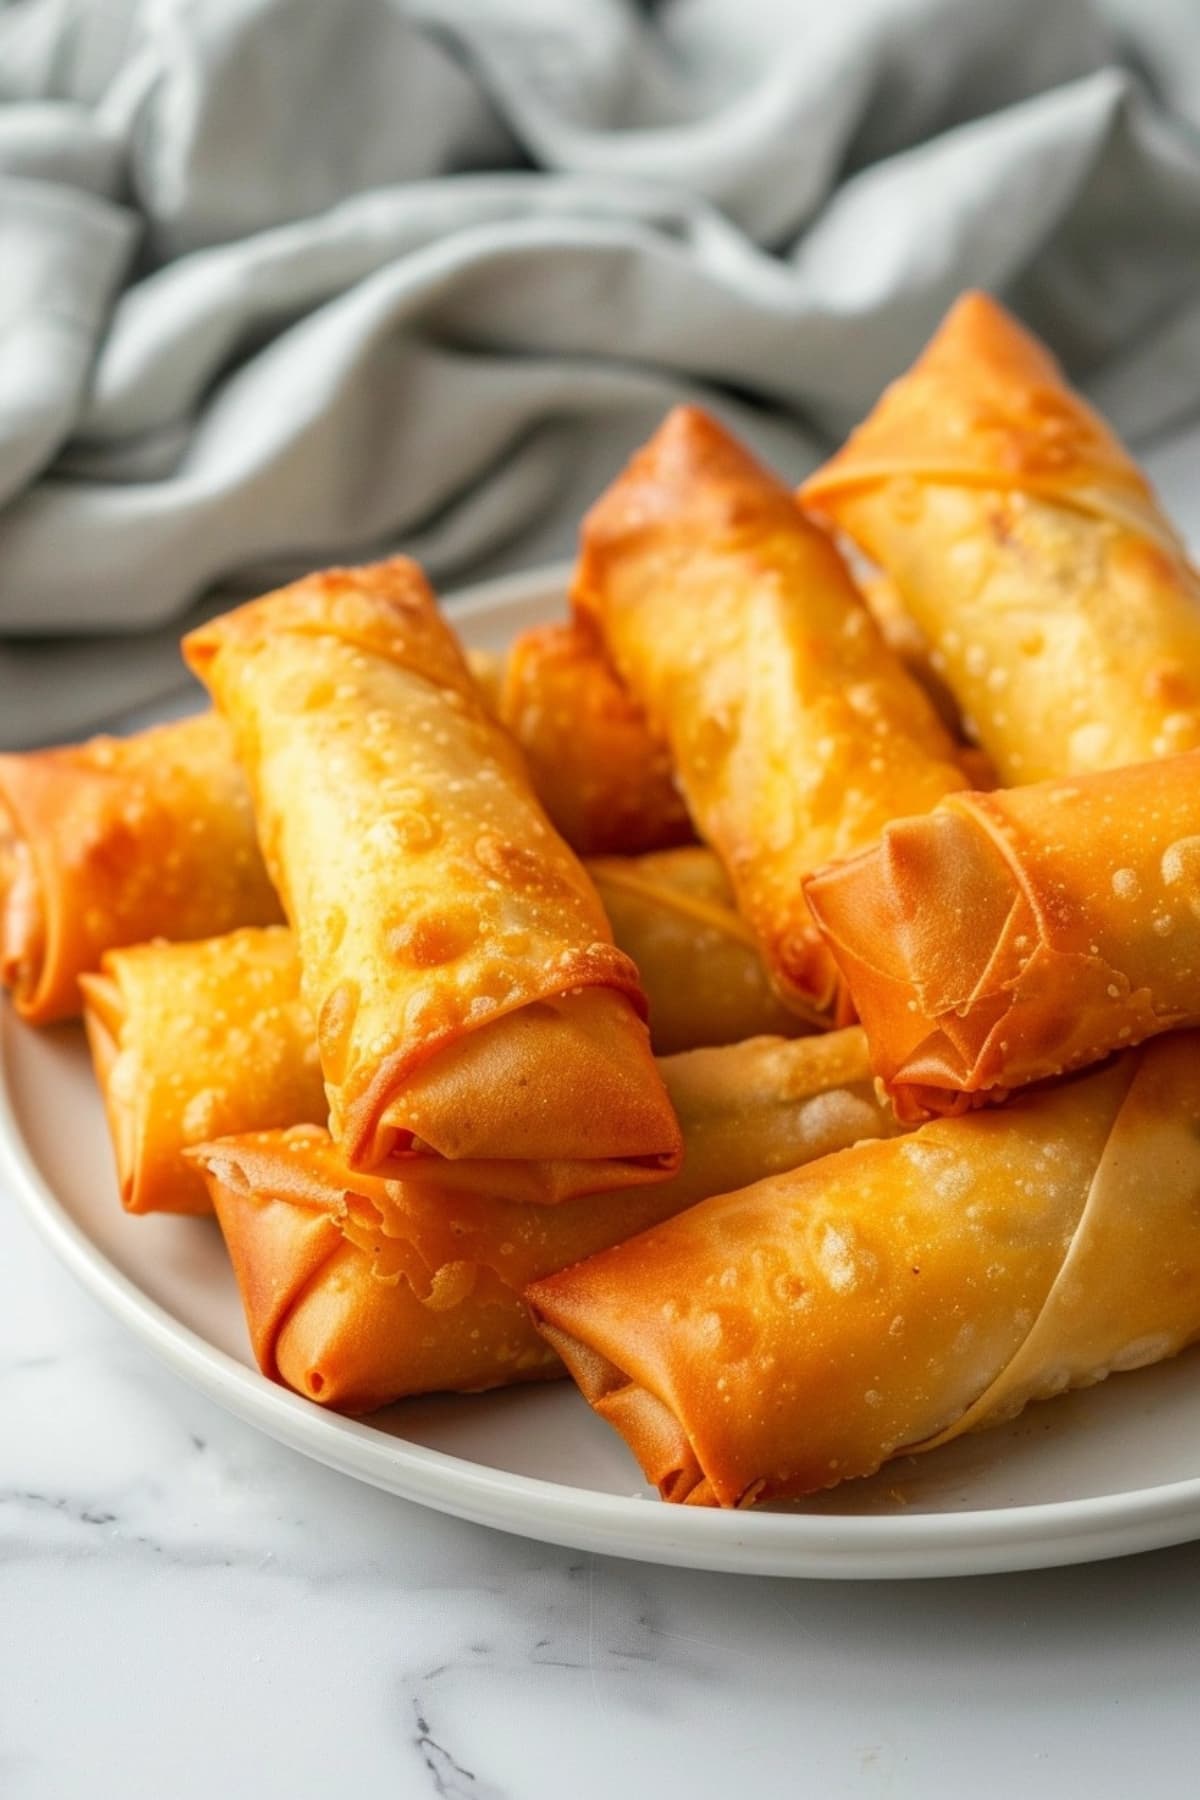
(189, 1611)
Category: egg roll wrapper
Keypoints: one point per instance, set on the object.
(194, 1041)
(1058, 603)
(116, 841)
(773, 1342)
(604, 780)
(359, 1290)
(1008, 937)
(469, 999)
(794, 731)
(673, 911)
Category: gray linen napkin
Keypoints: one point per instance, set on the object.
(289, 281)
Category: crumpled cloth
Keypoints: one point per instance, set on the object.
(284, 282)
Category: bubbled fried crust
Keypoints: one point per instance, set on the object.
(986, 403)
(428, 890)
(386, 609)
(692, 467)
(602, 776)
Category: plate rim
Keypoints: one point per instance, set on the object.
(916, 1545)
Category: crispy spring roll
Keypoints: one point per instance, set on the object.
(1011, 936)
(1058, 603)
(358, 1291)
(116, 841)
(469, 1000)
(194, 1041)
(795, 733)
(674, 912)
(604, 780)
(776, 1341)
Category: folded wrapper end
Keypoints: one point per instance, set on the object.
(652, 1431)
(327, 1315)
(808, 980)
(277, 1251)
(932, 997)
(581, 1062)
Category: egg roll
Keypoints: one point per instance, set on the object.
(605, 781)
(469, 1000)
(1058, 603)
(775, 1341)
(359, 1290)
(1010, 936)
(705, 982)
(794, 732)
(192, 1042)
(115, 841)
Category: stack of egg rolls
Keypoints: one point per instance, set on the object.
(195, 1041)
(359, 1290)
(348, 983)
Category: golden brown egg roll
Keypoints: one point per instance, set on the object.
(1010, 936)
(470, 1002)
(605, 781)
(673, 911)
(773, 1342)
(192, 1042)
(1027, 546)
(119, 840)
(359, 1290)
(795, 733)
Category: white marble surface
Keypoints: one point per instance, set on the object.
(188, 1611)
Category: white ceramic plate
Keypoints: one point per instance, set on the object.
(1057, 1486)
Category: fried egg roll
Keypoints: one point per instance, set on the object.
(1058, 603)
(1014, 935)
(795, 733)
(360, 1290)
(119, 840)
(674, 912)
(604, 780)
(773, 1342)
(191, 1042)
(469, 1000)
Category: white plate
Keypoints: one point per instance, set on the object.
(1054, 1487)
